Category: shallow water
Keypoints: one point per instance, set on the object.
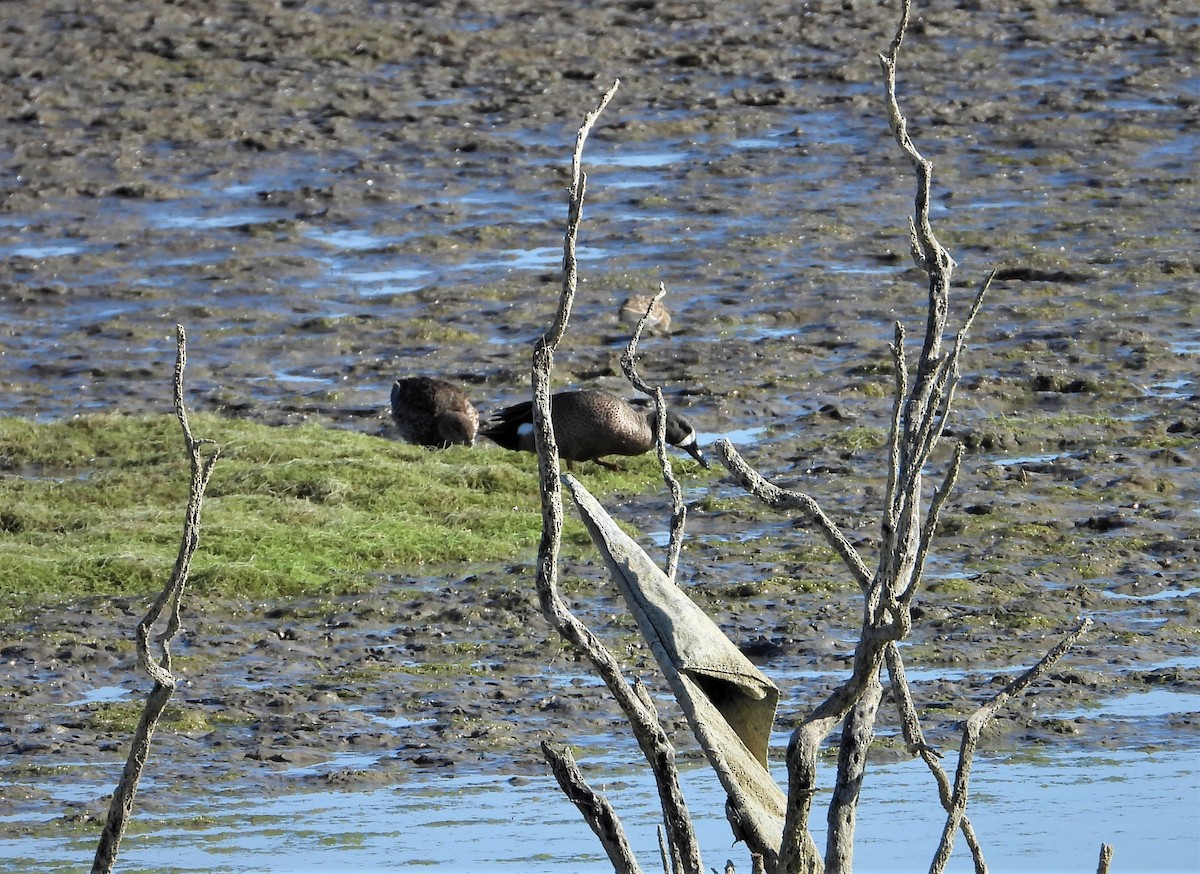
(1141, 802)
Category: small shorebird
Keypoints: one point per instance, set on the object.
(635, 307)
(433, 412)
(590, 424)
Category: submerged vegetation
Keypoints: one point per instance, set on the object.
(94, 505)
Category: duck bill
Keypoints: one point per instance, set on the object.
(692, 448)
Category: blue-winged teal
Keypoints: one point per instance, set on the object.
(590, 424)
(433, 412)
(634, 308)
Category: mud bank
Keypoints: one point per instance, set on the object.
(331, 196)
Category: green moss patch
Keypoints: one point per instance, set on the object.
(95, 505)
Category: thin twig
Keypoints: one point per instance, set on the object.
(929, 253)
(910, 725)
(900, 368)
(578, 191)
(931, 521)
(784, 499)
(120, 809)
(596, 809)
(643, 719)
(973, 729)
(678, 507)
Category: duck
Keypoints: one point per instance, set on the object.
(433, 412)
(634, 308)
(590, 424)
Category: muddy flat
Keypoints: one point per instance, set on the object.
(328, 196)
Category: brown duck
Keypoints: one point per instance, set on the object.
(433, 412)
(590, 424)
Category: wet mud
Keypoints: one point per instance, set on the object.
(329, 196)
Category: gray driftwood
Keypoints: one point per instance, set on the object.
(120, 809)
(683, 848)
(729, 703)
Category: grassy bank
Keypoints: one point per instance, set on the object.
(95, 505)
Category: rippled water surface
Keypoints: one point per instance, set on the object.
(1062, 810)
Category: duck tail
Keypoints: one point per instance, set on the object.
(504, 426)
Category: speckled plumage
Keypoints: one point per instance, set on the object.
(433, 412)
(590, 424)
(634, 308)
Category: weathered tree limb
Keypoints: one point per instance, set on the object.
(784, 499)
(643, 719)
(120, 809)
(931, 256)
(918, 420)
(596, 810)
(1106, 854)
(930, 527)
(678, 507)
(975, 724)
(937, 404)
(914, 736)
(915, 436)
(798, 850)
(577, 192)
(857, 735)
(900, 370)
(944, 392)
(917, 423)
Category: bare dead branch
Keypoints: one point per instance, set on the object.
(910, 725)
(784, 499)
(937, 406)
(945, 401)
(929, 254)
(900, 367)
(918, 421)
(1106, 855)
(629, 357)
(577, 191)
(975, 724)
(120, 809)
(914, 248)
(596, 809)
(931, 521)
(655, 745)
(857, 735)
(933, 407)
(798, 850)
(547, 447)
(678, 507)
(984, 287)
